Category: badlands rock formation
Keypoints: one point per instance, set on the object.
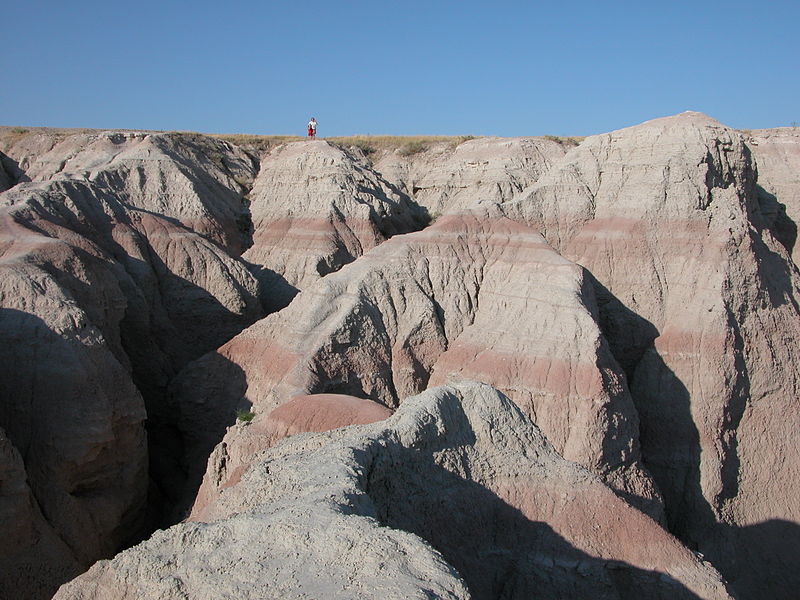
(700, 304)
(777, 152)
(316, 208)
(633, 299)
(475, 296)
(444, 178)
(103, 300)
(302, 414)
(33, 557)
(457, 491)
(7, 179)
(195, 181)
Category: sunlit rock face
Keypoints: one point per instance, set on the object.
(474, 296)
(698, 298)
(104, 295)
(447, 177)
(627, 303)
(316, 207)
(457, 495)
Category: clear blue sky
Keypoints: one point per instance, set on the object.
(565, 67)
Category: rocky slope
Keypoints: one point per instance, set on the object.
(34, 558)
(699, 301)
(777, 154)
(457, 487)
(316, 208)
(633, 296)
(475, 296)
(448, 177)
(102, 301)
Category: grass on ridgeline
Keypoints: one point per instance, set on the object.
(369, 144)
(406, 145)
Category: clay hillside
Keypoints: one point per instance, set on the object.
(242, 367)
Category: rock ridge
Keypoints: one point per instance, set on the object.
(695, 291)
(633, 295)
(475, 295)
(355, 494)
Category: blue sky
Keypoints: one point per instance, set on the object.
(401, 68)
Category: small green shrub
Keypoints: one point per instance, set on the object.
(245, 416)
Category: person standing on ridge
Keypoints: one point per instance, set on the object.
(312, 128)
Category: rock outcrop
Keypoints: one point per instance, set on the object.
(457, 484)
(456, 176)
(631, 300)
(34, 559)
(69, 405)
(700, 304)
(315, 208)
(6, 178)
(301, 414)
(475, 296)
(102, 300)
(777, 155)
(197, 181)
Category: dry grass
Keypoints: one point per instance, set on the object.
(261, 144)
(369, 144)
(404, 144)
(12, 134)
(567, 141)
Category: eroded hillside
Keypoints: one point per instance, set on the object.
(628, 305)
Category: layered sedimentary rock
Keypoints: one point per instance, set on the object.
(475, 295)
(101, 302)
(302, 414)
(457, 495)
(661, 300)
(195, 180)
(34, 559)
(69, 406)
(316, 208)
(7, 179)
(451, 177)
(777, 155)
(700, 304)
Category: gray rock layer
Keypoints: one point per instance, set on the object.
(699, 300)
(475, 296)
(449, 177)
(316, 208)
(195, 180)
(458, 479)
(102, 300)
(777, 156)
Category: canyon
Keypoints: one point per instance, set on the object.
(242, 367)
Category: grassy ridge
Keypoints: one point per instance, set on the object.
(369, 144)
(405, 144)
